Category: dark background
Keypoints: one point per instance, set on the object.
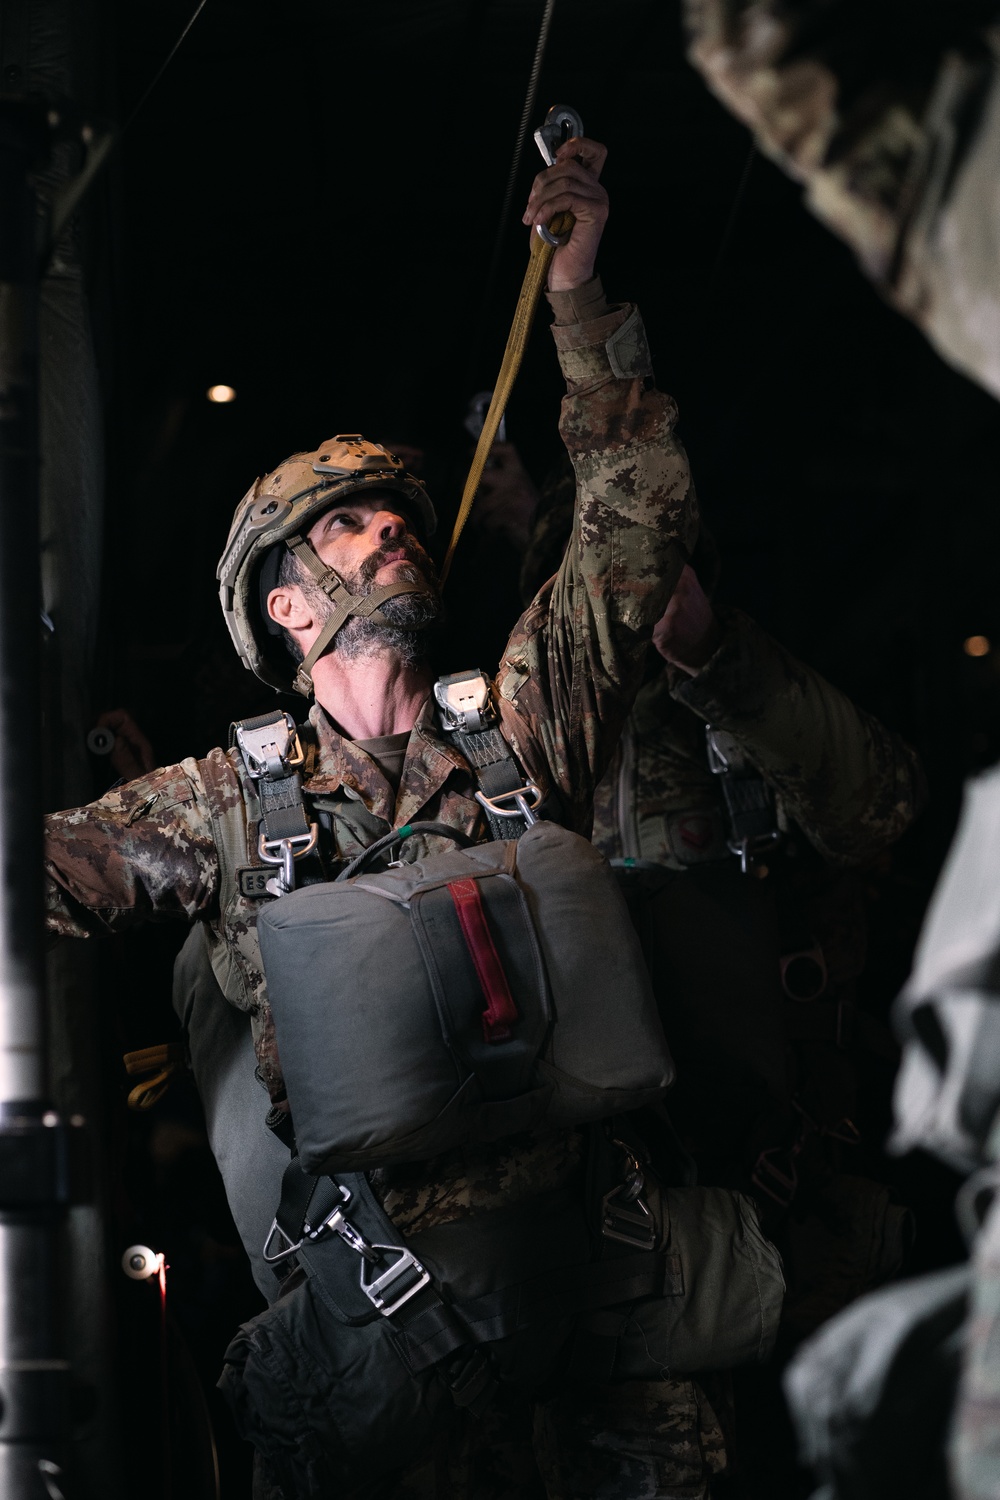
(306, 207)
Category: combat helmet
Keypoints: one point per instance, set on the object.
(277, 512)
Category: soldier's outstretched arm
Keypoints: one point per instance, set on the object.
(851, 785)
(574, 661)
(144, 851)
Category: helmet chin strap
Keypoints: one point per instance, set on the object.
(345, 604)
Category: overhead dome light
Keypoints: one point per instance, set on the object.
(976, 645)
(221, 395)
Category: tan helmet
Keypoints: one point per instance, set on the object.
(280, 509)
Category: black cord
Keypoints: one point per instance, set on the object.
(397, 835)
(515, 164)
(727, 233)
(164, 66)
(68, 200)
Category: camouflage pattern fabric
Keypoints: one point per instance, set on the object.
(849, 784)
(646, 1440)
(421, 1195)
(894, 136)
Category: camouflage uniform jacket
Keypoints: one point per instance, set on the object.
(850, 785)
(895, 138)
(156, 848)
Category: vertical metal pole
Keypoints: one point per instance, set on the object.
(33, 1376)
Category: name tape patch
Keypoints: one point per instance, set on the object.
(252, 881)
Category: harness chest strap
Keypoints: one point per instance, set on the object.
(468, 719)
(273, 757)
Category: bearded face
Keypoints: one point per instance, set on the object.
(409, 615)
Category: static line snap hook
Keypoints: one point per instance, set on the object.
(562, 123)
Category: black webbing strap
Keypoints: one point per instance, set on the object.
(334, 1260)
(487, 752)
(272, 755)
(429, 1329)
(497, 772)
(282, 809)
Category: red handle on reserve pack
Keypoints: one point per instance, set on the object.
(501, 1012)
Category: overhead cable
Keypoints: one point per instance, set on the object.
(527, 115)
(164, 66)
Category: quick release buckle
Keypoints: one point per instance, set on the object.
(464, 701)
(271, 750)
(402, 1279)
(518, 796)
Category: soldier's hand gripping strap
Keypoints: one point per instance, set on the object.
(469, 720)
(273, 756)
(345, 604)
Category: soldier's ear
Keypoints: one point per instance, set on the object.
(288, 608)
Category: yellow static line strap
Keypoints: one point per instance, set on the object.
(524, 313)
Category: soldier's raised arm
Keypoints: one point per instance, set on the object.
(572, 666)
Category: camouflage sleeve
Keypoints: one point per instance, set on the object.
(894, 132)
(572, 665)
(851, 785)
(144, 851)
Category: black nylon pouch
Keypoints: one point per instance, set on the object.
(379, 1013)
(335, 1395)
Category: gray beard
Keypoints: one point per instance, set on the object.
(406, 633)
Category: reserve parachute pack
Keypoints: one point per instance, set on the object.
(463, 997)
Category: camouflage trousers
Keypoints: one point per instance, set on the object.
(639, 1440)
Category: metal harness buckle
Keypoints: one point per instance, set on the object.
(285, 852)
(382, 1287)
(521, 809)
(464, 701)
(280, 1255)
(624, 1214)
(747, 798)
(384, 1291)
(272, 751)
